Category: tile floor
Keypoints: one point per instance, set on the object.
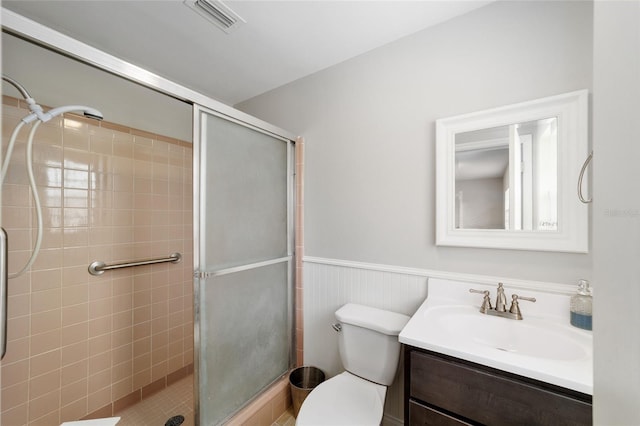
(176, 399)
(286, 419)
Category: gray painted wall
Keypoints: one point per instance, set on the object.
(370, 134)
(616, 212)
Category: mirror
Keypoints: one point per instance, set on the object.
(506, 177)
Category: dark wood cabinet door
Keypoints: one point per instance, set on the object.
(486, 396)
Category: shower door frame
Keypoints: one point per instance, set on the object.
(200, 274)
(41, 35)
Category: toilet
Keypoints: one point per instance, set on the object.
(369, 350)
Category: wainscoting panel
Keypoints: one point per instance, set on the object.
(329, 286)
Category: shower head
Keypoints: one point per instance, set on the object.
(94, 114)
(88, 112)
(46, 116)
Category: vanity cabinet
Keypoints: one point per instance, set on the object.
(444, 391)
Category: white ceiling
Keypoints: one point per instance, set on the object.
(282, 41)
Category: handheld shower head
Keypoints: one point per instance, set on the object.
(93, 113)
(46, 116)
(88, 112)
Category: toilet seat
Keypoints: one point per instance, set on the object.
(343, 400)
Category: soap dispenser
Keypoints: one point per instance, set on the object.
(581, 306)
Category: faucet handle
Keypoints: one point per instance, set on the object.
(515, 307)
(486, 302)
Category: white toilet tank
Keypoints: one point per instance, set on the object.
(368, 341)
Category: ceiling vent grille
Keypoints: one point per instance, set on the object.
(217, 13)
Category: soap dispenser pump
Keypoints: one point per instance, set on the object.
(581, 306)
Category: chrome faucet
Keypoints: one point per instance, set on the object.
(500, 310)
(501, 299)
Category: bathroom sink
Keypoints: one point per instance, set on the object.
(533, 338)
(542, 346)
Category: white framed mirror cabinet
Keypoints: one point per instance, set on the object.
(507, 177)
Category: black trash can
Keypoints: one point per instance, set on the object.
(302, 381)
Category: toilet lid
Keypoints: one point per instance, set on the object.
(343, 400)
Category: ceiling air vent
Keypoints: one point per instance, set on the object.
(217, 13)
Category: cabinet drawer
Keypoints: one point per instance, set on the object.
(487, 397)
(421, 415)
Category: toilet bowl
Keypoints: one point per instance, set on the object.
(343, 400)
(369, 350)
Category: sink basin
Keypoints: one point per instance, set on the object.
(533, 338)
(542, 346)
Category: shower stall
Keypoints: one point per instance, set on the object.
(83, 345)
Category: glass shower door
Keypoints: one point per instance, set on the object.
(243, 265)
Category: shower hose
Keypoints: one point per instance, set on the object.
(32, 185)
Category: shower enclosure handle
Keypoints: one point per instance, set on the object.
(4, 279)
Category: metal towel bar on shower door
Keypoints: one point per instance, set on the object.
(98, 268)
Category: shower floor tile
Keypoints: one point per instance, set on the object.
(174, 400)
(155, 410)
